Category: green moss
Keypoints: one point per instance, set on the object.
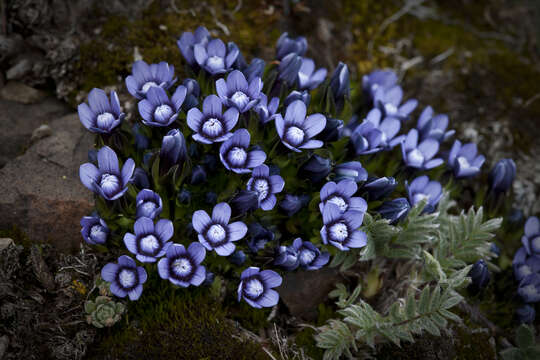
(169, 323)
(17, 235)
(305, 340)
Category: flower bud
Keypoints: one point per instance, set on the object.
(140, 179)
(287, 258)
(291, 204)
(238, 257)
(316, 168)
(352, 170)
(480, 275)
(289, 67)
(379, 188)
(184, 196)
(394, 210)
(339, 82)
(198, 175)
(502, 175)
(244, 202)
(259, 237)
(173, 150)
(255, 69)
(332, 130)
(297, 95)
(92, 156)
(287, 45)
(192, 94)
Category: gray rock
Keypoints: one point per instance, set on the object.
(43, 195)
(21, 93)
(5, 242)
(41, 132)
(19, 70)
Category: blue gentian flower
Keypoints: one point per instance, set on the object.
(374, 135)
(216, 233)
(531, 238)
(433, 127)
(158, 110)
(193, 91)
(309, 256)
(198, 175)
(341, 194)
(287, 258)
(316, 168)
(502, 175)
(308, 78)
(92, 156)
(287, 45)
(126, 277)
(389, 102)
(525, 264)
(420, 155)
(332, 130)
(149, 204)
(107, 179)
(215, 57)
(140, 179)
(288, 68)
(529, 288)
(256, 287)
(266, 110)
(211, 125)
(255, 69)
(94, 230)
(526, 314)
(351, 170)
(188, 40)
(480, 275)
(173, 149)
(266, 186)
(422, 188)
(384, 79)
(150, 241)
(465, 160)
(495, 250)
(210, 198)
(102, 116)
(183, 267)
(184, 196)
(236, 92)
(238, 257)
(296, 131)
(245, 201)
(378, 188)
(340, 83)
(144, 77)
(292, 204)
(235, 156)
(259, 237)
(304, 96)
(394, 210)
(341, 229)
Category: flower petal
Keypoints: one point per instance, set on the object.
(271, 278)
(197, 252)
(89, 175)
(221, 213)
(194, 119)
(314, 124)
(237, 230)
(144, 226)
(164, 229)
(201, 220)
(135, 294)
(131, 243)
(109, 271)
(269, 298)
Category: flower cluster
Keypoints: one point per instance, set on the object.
(250, 160)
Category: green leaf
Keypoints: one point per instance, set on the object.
(524, 336)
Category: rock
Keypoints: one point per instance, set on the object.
(18, 121)
(41, 270)
(21, 93)
(10, 46)
(43, 195)
(4, 343)
(19, 70)
(5, 242)
(41, 132)
(303, 291)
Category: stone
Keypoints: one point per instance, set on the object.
(18, 121)
(43, 195)
(41, 132)
(21, 93)
(5, 242)
(303, 291)
(19, 70)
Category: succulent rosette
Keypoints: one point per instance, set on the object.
(256, 287)
(149, 242)
(182, 266)
(126, 277)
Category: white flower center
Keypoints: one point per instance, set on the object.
(216, 233)
(307, 256)
(126, 278)
(295, 135)
(149, 244)
(416, 158)
(212, 127)
(339, 232)
(148, 207)
(530, 290)
(261, 187)
(109, 183)
(340, 202)
(419, 197)
(163, 113)
(463, 162)
(148, 85)
(105, 120)
(254, 288)
(215, 63)
(96, 231)
(524, 270)
(182, 267)
(240, 99)
(390, 109)
(237, 156)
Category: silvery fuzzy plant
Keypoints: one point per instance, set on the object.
(103, 311)
(254, 169)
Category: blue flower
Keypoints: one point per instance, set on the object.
(211, 125)
(374, 135)
(184, 196)
(235, 156)
(238, 257)
(341, 229)
(351, 170)
(340, 83)
(266, 110)
(420, 156)
(316, 168)
(524, 264)
(292, 204)
(341, 194)
(236, 92)
(255, 69)
(526, 314)
(148, 204)
(188, 40)
(308, 78)
(480, 275)
(309, 256)
(304, 96)
(266, 186)
(183, 267)
(422, 188)
(332, 130)
(144, 77)
(193, 91)
(256, 287)
(150, 241)
(378, 188)
(245, 201)
(394, 210)
(198, 175)
(287, 45)
(389, 102)
(531, 238)
(433, 127)
(287, 258)
(288, 68)
(173, 149)
(214, 57)
(102, 116)
(216, 233)
(384, 79)
(529, 288)
(94, 230)
(296, 131)
(259, 237)
(158, 110)
(140, 179)
(502, 175)
(126, 277)
(464, 160)
(107, 179)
